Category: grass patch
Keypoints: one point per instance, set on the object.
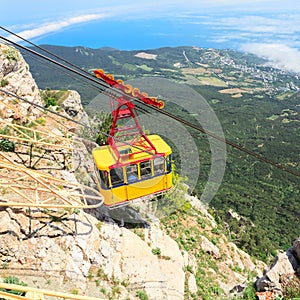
(210, 80)
(273, 117)
(145, 68)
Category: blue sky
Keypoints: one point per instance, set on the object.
(266, 28)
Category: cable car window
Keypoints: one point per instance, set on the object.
(116, 176)
(145, 168)
(169, 163)
(132, 173)
(159, 165)
(104, 178)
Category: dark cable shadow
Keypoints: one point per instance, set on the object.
(59, 223)
(124, 216)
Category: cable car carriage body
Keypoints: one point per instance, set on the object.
(131, 164)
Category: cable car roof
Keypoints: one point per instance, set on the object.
(104, 157)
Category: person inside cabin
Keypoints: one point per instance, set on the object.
(132, 174)
(146, 170)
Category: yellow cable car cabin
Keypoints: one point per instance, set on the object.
(135, 174)
(131, 165)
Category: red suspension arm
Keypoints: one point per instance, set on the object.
(128, 89)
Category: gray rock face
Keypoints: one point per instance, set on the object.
(16, 79)
(209, 247)
(285, 264)
(73, 107)
(296, 248)
(118, 252)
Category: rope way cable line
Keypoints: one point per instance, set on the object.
(55, 67)
(67, 118)
(139, 108)
(251, 153)
(87, 76)
(47, 51)
(77, 71)
(60, 69)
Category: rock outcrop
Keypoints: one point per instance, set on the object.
(16, 78)
(285, 265)
(73, 107)
(78, 250)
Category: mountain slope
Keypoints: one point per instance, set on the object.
(258, 108)
(85, 251)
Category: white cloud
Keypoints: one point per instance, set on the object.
(250, 28)
(280, 56)
(285, 24)
(50, 27)
(245, 5)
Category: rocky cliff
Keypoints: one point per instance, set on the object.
(16, 78)
(282, 276)
(183, 255)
